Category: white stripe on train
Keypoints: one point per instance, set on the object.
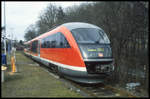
(76, 68)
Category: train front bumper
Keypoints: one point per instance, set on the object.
(83, 76)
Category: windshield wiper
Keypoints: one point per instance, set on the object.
(86, 42)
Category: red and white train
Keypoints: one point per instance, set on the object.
(78, 51)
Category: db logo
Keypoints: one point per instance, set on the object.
(100, 54)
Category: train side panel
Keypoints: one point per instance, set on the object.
(68, 56)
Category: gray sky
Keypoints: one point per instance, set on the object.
(19, 15)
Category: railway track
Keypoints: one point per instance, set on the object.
(91, 90)
(101, 90)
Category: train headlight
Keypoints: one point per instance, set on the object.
(85, 55)
(112, 66)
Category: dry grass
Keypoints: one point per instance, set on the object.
(32, 81)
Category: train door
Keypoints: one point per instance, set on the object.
(38, 50)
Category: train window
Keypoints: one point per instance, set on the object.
(90, 35)
(27, 46)
(57, 40)
(63, 42)
(34, 46)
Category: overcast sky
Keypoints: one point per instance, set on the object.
(19, 15)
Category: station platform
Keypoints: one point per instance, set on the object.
(31, 80)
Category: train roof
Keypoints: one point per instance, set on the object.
(75, 25)
(70, 26)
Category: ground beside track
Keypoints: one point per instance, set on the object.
(32, 81)
(26, 83)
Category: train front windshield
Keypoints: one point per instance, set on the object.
(93, 43)
(90, 35)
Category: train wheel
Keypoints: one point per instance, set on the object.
(59, 73)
